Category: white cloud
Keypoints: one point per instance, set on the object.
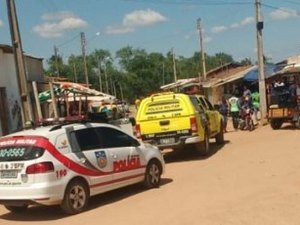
(235, 25)
(218, 29)
(283, 14)
(57, 15)
(57, 23)
(1, 23)
(142, 18)
(247, 21)
(138, 18)
(207, 39)
(118, 30)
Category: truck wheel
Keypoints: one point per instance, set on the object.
(297, 123)
(203, 148)
(220, 136)
(276, 124)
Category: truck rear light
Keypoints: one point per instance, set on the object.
(193, 122)
(138, 131)
(43, 167)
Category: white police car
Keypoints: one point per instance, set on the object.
(66, 164)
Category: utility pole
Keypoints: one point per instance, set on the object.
(163, 74)
(260, 60)
(56, 60)
(121, 91)
(202, 59)
(174, 68)
(114, 89)
(26, 110)
(75, 73)
(99, 74)
(106, 79)
(83, 44)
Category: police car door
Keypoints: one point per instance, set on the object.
(213, 113)
(95, 161)
(128, 161)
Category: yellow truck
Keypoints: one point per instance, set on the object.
(177, 120)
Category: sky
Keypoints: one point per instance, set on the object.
(156, 26)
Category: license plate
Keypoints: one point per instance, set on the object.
(167, 141)
(4, 174)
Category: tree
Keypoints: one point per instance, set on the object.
(138, 72)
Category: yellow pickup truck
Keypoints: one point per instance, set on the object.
(176, 120)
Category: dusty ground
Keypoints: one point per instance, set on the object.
(253, 179)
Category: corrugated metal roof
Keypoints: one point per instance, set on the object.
(179, 83)
(9, 49)
(220, 81)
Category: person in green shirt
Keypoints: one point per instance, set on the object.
(234, 110)
(255, 103)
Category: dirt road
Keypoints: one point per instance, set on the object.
(253, 179)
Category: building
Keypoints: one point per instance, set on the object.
(219, 81)
(10, 101)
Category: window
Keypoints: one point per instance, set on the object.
(196, 104)
(208, 104)
(202, 103)
(114, 138)
(87, 139)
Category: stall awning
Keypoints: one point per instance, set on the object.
(252, 75)
(233, 77)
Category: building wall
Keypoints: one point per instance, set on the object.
(8, 80)
(34, 69)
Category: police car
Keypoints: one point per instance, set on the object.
(66, 164)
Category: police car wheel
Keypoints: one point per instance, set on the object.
(76, 197)
(16, 209)
(153, 174)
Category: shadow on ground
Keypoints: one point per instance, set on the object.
(190, 154)
(49, 213)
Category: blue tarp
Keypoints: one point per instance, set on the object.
(269, 70)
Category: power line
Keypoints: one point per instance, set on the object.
(68, 41)
(279, 8)
(208, 3)
(293, 2)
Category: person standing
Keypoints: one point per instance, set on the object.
(223, 109)
(256, 104)
(234, 110)
(246, 91)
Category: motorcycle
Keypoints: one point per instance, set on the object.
(246, 121)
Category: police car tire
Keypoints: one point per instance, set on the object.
(16, 209)
(77, 189)
(153, 174)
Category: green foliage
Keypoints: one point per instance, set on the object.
(133, 71)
